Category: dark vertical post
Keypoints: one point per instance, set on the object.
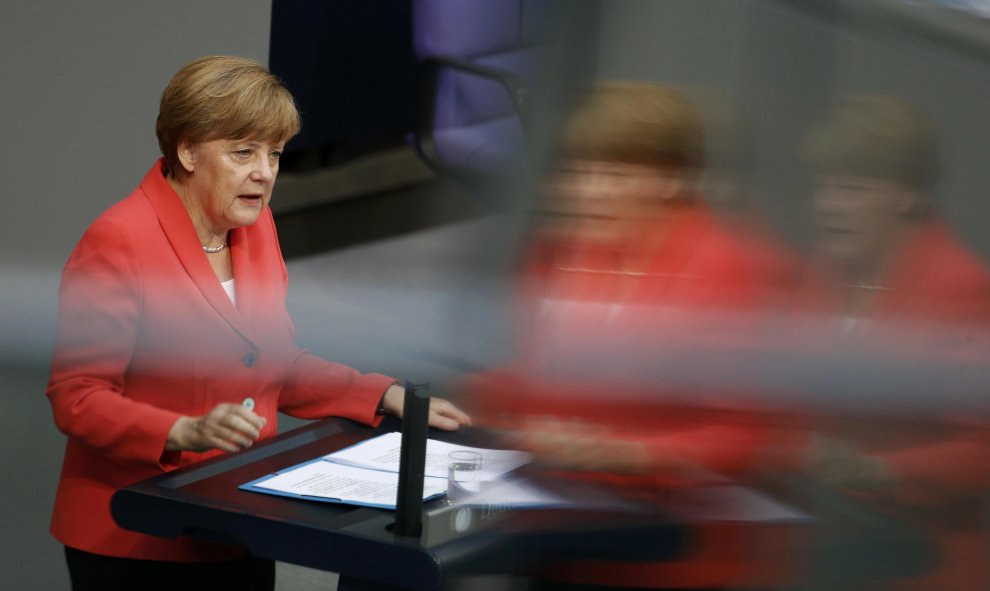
(412, 460)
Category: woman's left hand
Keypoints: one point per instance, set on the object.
(838, 464)
(443, 414)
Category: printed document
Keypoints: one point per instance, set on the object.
(382, 453)
(327, 481)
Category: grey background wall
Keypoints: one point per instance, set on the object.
(771, 63)
(79, 88)
(784, 63)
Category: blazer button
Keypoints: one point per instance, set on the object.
(249, 360)
(248, 403)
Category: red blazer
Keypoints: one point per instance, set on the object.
(937, 303)
(147, 334)
(934, 281)
(699, 265)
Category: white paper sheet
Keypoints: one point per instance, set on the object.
(382, 453)
(327, 480)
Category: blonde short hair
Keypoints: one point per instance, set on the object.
(876, 136)
(223, 97)
(635, 122)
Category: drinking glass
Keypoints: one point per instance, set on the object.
(463, 474)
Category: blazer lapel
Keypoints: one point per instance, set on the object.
(181, 234)
(244, 274)
(907, 277)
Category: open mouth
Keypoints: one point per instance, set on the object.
(251, 199)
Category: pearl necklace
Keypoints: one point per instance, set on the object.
(215, 249)
(623, 272)
(869, 286)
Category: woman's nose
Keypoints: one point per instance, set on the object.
(264, 171)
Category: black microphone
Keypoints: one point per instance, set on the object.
(412, 460)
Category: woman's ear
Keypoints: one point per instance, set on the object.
(187, 155)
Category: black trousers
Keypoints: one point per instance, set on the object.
(89, 571)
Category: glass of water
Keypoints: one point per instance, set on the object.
(463, 474)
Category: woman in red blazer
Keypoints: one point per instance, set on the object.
(174, 343)
(638, 268)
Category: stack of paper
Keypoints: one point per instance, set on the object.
(367, 474)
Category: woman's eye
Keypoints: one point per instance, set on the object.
(245, 152)
(275, 155)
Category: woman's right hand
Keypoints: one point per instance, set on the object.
(230, 427)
